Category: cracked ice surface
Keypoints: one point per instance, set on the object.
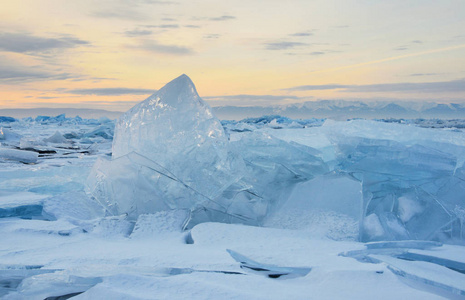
(169, 152)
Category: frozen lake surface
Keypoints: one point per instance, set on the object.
(56, 240)
(170, 203)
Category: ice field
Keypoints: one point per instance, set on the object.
(168, 202)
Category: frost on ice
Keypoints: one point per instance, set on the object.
(170, 152)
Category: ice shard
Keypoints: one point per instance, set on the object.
(169, 152)
(176, 128)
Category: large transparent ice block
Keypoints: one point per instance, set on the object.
(176, 128)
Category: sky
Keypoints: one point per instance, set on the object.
(111, 54)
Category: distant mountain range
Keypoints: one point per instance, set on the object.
(331, 109)
(342, 110)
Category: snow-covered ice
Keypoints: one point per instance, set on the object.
(319, 190)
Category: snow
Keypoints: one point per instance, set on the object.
(315, 190)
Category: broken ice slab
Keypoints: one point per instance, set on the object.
(392, 248)
(4, 119)
(448, 263)
(8, 135)
(410, 191)
(271, 271)
(274, 166)
(403, 244)
(26, 157)
(105, 131)
(429, 274)
(30, 144)
(56, 138)
(50, 285)
(23, 205)
(60, 227)
(12, 275)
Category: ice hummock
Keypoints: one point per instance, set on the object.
(176, 128)
(169, 152)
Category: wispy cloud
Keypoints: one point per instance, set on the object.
(390, 59)
(283, 45)
(211, 36)
(163, 26)
(297, 34)
(137, 33)
(110, 91)
(12, 72)
(424, 74)
(223, 18)
(27, 43)
(123, 14)
(245, 99)
(317, 87)
(156, 47)
(403, 87)
(131, 10)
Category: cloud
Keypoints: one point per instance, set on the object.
(223, 18)
(11, 72)
(405, 87)
(212, 36)
(283, 45)
(110, 91)
(317, 87)
(163, 26)
(317, 53)
(192, 26)
(27, 43)
(137, 32)
(401, 48)
(302, 34)
(123, 14)
(156, 47)
(249, 99)
(133, 10)
(424, 74)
